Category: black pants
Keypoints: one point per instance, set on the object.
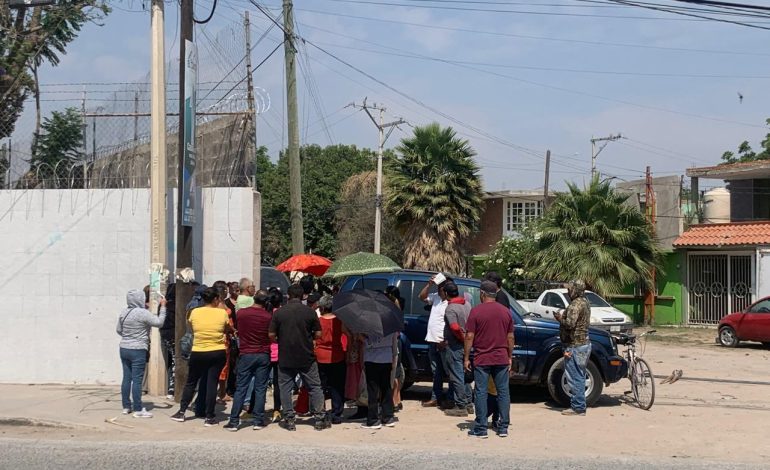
(276, 387)
(333, 381)
(204, 364)
(380, 391)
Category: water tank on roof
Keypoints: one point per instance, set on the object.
(716, 206)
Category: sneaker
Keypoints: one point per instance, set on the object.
(391, 423)
(209, 422)
(258, 427)
(477, 434)
(470, 409)
(359, 415)
(126, 411)
(571, 412)
(502, 433)
(142, 414)
(429, 404)
(456, 412)
(178, 416)
(375, 426)
(398, 407)
(232, 427)
(170, 396)
(288, 424)
(321, 424)
(336, 420)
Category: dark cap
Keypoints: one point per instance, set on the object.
(494, 277)
(450, 288)
(489, 288)
(313, 297)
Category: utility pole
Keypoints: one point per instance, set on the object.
(184, 242)
(381, 126)
(650, 215)
(295, 175)
(156, 379)
(251, 146)
(546, 202)
(595, 153)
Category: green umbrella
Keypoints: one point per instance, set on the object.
(359, 264)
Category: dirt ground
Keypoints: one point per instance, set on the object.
(718, 411)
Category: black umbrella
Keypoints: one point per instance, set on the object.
(271, 277)
(368, 312)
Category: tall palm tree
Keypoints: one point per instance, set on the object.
(592, 234)
(435, 196)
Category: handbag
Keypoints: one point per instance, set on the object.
(186, 344)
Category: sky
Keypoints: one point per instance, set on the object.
(544, 75)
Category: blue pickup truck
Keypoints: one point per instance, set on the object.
(537, 354)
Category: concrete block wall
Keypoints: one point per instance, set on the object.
(70, 257)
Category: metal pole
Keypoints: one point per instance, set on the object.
(156, 379)
(593, 158)
(295, 175)
(184, 242)
(252, 157)
(546, 202)
(378, 197)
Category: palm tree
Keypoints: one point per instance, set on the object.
(592, 234)
(435, 196)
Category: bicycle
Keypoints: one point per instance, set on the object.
(639, 372)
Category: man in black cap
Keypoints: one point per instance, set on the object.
(500, 296)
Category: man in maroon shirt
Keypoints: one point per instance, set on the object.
(489, 331)
(253, 360)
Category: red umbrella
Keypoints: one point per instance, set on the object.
(306, 263)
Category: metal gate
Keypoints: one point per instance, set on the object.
(719, 284)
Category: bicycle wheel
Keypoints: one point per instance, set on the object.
(643, 383)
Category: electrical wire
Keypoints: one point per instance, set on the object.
(211, 14)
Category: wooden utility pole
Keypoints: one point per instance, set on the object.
(295, 175)
(184, 242)
(381, 126)
(546, 202)
(649, 206)
(156, 379)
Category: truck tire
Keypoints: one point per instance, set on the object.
(557, 383)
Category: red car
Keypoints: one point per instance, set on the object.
(752, 324)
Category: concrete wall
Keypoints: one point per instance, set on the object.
(669, 224)
(71, 256)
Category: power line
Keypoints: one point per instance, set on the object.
(211, 15)
(693, 15)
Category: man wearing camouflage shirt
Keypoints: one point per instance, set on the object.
(574, 321)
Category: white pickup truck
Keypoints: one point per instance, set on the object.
(603, 315)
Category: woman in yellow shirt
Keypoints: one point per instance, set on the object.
(209, 325)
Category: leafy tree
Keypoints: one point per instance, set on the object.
(593, 235)
(60, 142)
(324, 170)
(509, 259)
(31, 36)
(435, 197)
(747, 154)
(354, 219)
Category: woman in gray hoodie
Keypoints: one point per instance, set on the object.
(134, 325)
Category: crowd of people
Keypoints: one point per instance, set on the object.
(241, 341)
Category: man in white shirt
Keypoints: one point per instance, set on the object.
(434, 337)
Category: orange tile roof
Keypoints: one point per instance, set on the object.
(732, 234)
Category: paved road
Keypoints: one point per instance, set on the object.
(47, 454)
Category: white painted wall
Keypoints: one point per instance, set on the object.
(70, 256)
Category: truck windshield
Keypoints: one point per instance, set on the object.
(596, 301)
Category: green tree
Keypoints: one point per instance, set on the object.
(324, 170)
(354, 219)
(591, 234)
(746, 153)
(61, 141)
(30, 36)
(509, 259)
(435, 197)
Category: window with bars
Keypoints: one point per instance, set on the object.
(519, 213)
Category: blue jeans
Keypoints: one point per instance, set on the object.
(437, 368)
(500, 376)
(256, 366)
(575, 368)
(134, 362)
(452, 357)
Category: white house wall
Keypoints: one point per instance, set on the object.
(71, 256)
